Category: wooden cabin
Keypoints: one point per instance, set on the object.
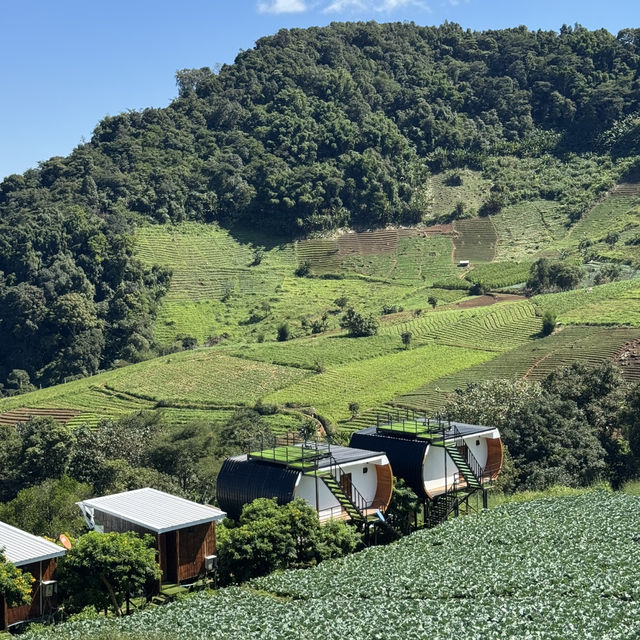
(442, 462)
(38, 557)
(185, 531)
(338, 482)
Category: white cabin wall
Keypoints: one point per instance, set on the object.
(307, 491)
(365, 483)
(434, 469)
(478, 446)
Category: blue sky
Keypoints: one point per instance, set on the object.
(65, 64)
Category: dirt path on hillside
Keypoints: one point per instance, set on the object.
(488, 300)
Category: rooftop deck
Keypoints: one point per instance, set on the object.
(309, 455)
(423, 428)
(301, 457)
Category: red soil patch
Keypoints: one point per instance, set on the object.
(25, 414)
(485, 301)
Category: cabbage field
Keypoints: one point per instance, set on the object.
(553, 568)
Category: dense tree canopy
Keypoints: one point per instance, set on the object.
(106, 569)
(568, 430)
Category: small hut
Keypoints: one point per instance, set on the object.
(338, 482)
(185, 531)
(444, 463)
(39, 557)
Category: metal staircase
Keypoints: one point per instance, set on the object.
(352, 501)
(473, 481)
(469, 470)
(354, 511)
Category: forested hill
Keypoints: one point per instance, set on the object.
(310, 130)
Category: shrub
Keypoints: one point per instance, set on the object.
(284, 333)
(359, 325)
(303, 269)
(548, 323)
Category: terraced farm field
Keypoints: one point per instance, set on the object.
(607, 304)
(619, 210)
(406, 255)
(529, 228)
(495, 328)
(190, 380)
(497, 275)
(552, 569)
(533, 360)
(475, 240)
(215, 292)
(376, 380)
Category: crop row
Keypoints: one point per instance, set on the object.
(556, 568)
(370, 382)
(496, 275)
(475, 240)
(498, 327)
(534, 360)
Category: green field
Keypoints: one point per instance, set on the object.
(608, 304)
(473, 191)
(370, 382)
(533, 360)
(551, 568)
(475, 240)
(497, 275)
(217, 294)
(528, 228)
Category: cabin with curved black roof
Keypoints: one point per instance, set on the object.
(338, 482)
(443, 462)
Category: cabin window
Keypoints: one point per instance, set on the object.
(477, 443)
(365, 470)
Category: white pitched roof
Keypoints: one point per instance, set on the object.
(154, 510)
(22, 548)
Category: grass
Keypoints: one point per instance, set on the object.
(302, 458)
(473, 191)
(376, 380)
(615, 303)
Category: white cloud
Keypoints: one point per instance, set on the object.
(282, 6)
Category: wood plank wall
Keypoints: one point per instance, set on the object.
(33, 610)
(494, 456)
(384, 488)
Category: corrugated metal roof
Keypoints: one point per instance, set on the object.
(22, 548)
(155, 510)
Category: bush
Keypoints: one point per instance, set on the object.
(546, 276)
(270, 537)
(548, 323)
(303, 269)
(359, 325)
(284, 333)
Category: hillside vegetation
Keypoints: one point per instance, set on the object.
(551, 568)
(356, 125)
